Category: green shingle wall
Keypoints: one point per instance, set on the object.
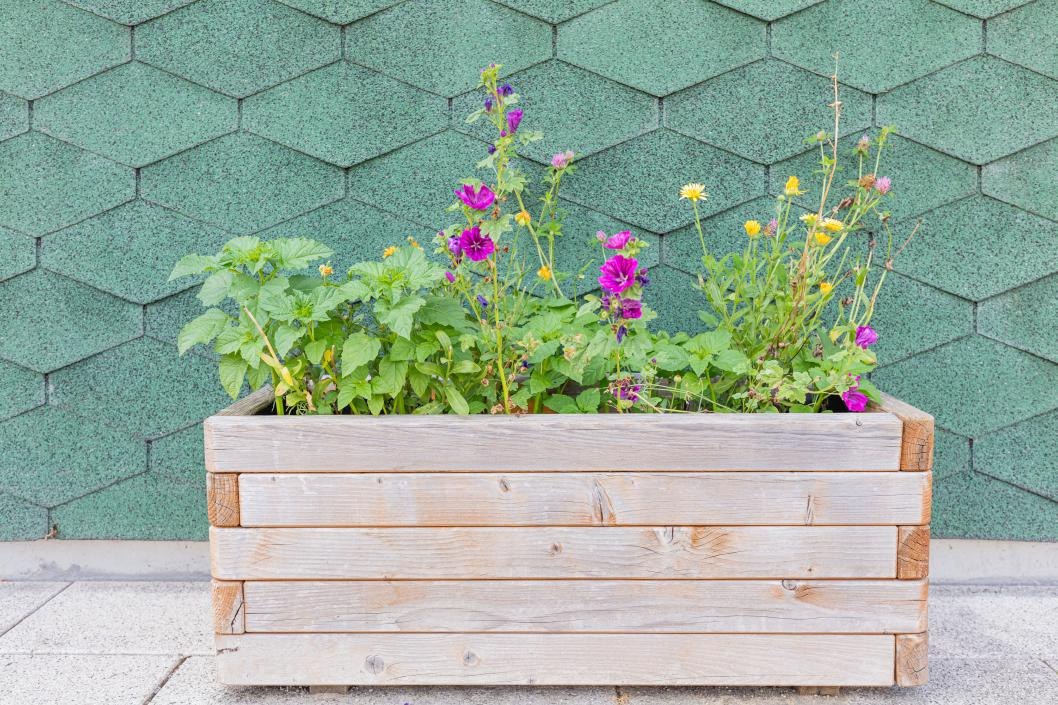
(132, 132)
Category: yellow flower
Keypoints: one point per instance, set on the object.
(752, 227)
(822, 238)
(413, 243)
(693, 192)
(793, 185)
(826, 287)
(809, 218)
(523, 218)
(389, 251)
(544, 273)
(832, 225)
(326, 270)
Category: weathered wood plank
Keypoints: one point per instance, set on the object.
(555, 552)
(256, 402)
(912, 552)
(916, 448)
(912, 659)
(222, 498)
(583, 499)
(589, 442)
(555, 659)
(689, 606)
(228, 607)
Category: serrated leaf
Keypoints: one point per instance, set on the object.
(670, 358)
(400, 316)
(375, 404)
(192, 264)
(588, 400)
(731, 361)
(359, 349)
(561, 404)
(232, 372)
(390, 378)
(346, 394)
(402, 349)
(442, 310)
(202, 329)
(274, 299)
(298, 252)
(215, 288)
(315, 349)
(284, 338)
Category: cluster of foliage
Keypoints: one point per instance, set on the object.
(491, 323)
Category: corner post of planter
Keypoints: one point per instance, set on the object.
(222, 498)
(912, 665)
(228, 603)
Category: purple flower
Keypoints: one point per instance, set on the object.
(488, 104)
(506, 89)
(771, 227)
(454, 248)
(621, 331)
(514, 118)
(618, 273)
(600, 236)
(854, 401)
(866, 337)
(492, 149)
(642, 278)
(618, 241)
(450, 277)
(475, 245)
(627, 390)
(483, 301)
(562, 159)
(631, 308)
(477, 200)
(883, 185)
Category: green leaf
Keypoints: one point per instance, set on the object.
(274, 299)
(284, 338)
(544, 351)
(215, 288)
(731, 361)
(298, 252)
(358, 349)
(464, 367)
(258, 377)
(562, 404)
(444, 311)
(375, 404)
(588, 400)
(390, 378)
(324, 301)
(402, 349)
(314, 350)
(229, 340)
(456, 400)
(192, 264)
(232, 373)
(399, 316)
(202, 329)
(671, 358)
(418, 381)
(346, 394)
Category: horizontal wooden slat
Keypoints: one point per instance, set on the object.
(690, 606)
(584, 499)
(553, 442)
(553, 659)
(555, 552)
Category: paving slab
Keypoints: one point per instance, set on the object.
(18, 600)
(993, 621)
(81, 680)
(118, 618)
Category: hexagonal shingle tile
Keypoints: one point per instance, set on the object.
(922, 178)
(46, 184)
(14, 115)
(128, 251)
(763, 111)
(1028, 179)
(639, 181)
(17, 254)
(964, 248)
(973, 505)
(46, 44)
(23, 521)
(1024, 454)
(673, 296)
(661, 46)
(344, 114)
(354, 230)
(1024, 317)
(945, 110)
(911, 317)
(973, 385)
(162, 320)
(340, 11)
(135, 114)
(51, 456)
(983, 8)
(237, 47)
(603, 113)
(554, 11)
(768, 9)
(443, 50)
(241, 182)
(48, 321)
(951, 454)
(1027, 37)
(918, 37)
(179, 455)
(144, 385)
(23, 389)
(130, 11)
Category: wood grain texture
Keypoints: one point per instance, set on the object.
(687, 606)
(555, 659)
(228, 607)
(583, 499)
(912, 552)
(257, 402)
(589, 442)
(222, 498)
(555, 552)
(912, 659)
(916, 448)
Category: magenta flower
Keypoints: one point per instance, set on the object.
(477, 200)
(866, 337)
(883, 185)
(631, 308)
(627, 390)
(454, 248)
(854, 401)
(618, 241)
(618, 273)
(514, 118)
(475, 245)
(562, 159)
(450, 277)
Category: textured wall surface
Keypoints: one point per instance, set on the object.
(134, 131)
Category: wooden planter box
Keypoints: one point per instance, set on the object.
(609, 549)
